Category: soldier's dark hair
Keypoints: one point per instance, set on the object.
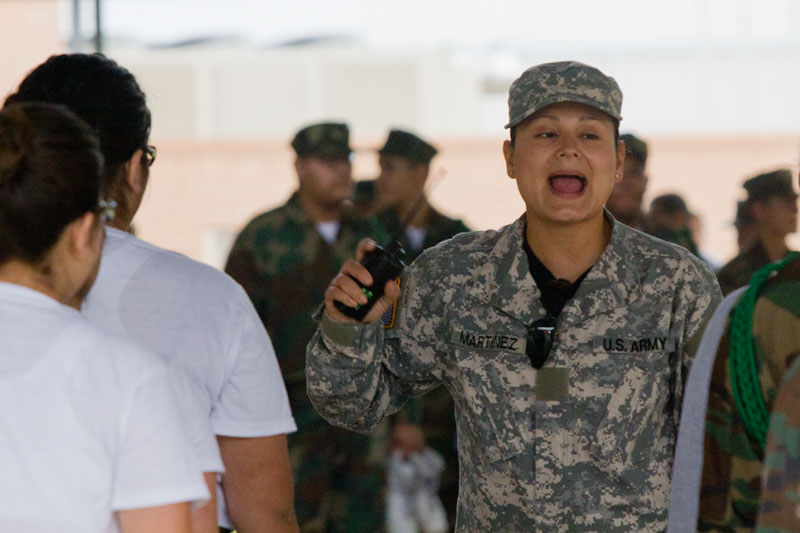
(50, 174)
(513, 132)
(102, 93)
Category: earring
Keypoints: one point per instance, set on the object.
(616, 176)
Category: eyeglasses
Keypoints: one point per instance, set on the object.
(539, 340)
(107, 210)
(150, 153)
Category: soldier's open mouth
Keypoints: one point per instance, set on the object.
(567, 183)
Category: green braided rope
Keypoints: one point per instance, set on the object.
(742, 361)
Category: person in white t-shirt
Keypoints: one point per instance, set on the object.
(197, 317)
(90, 435)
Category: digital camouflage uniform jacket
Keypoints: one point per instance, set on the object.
(732, 461)
(285, 266)
(586, 442)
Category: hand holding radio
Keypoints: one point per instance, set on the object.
(365, 288)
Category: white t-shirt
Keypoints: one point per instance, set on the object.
(415, 237)
(89, 424)
(329, 231)
(201, 321)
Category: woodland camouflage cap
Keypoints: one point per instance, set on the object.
(565, 81)
(326, 139)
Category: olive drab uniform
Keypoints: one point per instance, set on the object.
(584, 443)
(284, 266)
(738, 271)
(732, 459)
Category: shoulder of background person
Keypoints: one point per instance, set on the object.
(444, 225)
(286, 223)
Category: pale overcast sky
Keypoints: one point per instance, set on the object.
(456, 23)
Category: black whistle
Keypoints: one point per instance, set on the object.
(384, 265)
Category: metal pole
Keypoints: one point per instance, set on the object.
(76, 42)
(98, 36)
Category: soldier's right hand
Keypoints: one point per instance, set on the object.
(344, 289)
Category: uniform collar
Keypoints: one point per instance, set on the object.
(507, 284)
(296, 212)
(611, 283)
(504, 281)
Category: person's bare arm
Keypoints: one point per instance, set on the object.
(257, 484)
(172, 518)
(204, 518)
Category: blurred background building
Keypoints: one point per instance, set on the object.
(710, 84)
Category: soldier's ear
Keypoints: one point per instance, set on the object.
(620, 170)
(508, 154)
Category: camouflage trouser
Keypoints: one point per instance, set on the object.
(339, 479)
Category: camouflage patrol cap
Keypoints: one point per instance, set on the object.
(404, 144)
(769, 185)
(634, 147)
(326, 139)
(565, 81)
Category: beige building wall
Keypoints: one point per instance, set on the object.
(201, 192)
(242, 92)
(29, 34)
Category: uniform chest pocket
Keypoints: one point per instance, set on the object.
(491, 391)
(630, 429)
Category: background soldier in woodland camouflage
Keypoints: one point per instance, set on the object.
(772, 205)
(758, 331)
(562, 337)
(283, 259)
(627, 196)
(733, 454)
(668, 219)
(405, 162)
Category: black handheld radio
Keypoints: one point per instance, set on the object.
(383, 264)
